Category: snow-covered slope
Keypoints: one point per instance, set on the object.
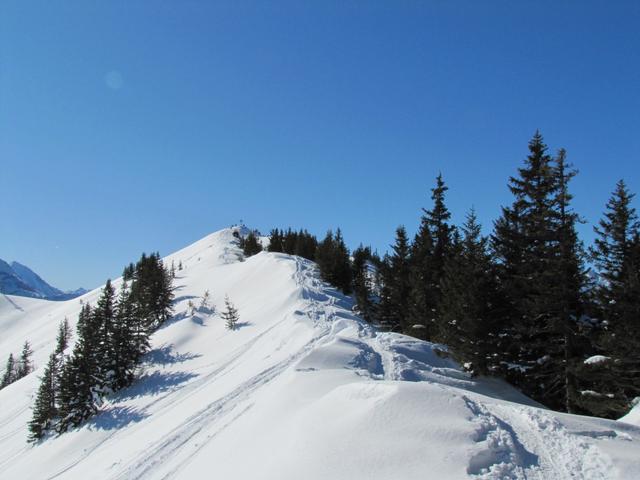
(303, 389)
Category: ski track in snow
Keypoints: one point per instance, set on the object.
(195, 431)
(506, 441)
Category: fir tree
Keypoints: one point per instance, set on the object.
(64, 336)
(80, 380)
(230, 314)
(362, 283)
(616, 253)
(430, 249)
(45, 408)
(467, 304)
(537, 251)
(250, 245)
(10, 374)
(396, 286)
(25, 366)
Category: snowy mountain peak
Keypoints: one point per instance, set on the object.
(18, 279)
(302, 387)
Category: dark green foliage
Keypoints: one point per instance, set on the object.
(151, 291)
(332, 257)
(64, 336)
(111, 339)
(10, 374)
(395, 275)
(429, 252)
(25, 366)
(250, 245)
(45, 409)
(612, 385)
(469, 296)
(362, 283)
(300, 243)
(540, 274)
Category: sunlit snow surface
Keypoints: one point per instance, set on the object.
(303, 389)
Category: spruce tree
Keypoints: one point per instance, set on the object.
(430, 249)
(64, 336)
(10, 373)
(538, 255)
(80, 381)
(250, 245)
(230, 314)
(612, 384)
(396, 286)
(45, 408)
(469, 295)
(25, 366)
(364, 304)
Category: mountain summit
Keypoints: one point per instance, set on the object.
(299, 388)
(18, 279)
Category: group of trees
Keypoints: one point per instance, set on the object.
(523, 303)
(528, 303)
(111, 339)
(16, 369)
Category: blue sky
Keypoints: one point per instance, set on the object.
(141, 126)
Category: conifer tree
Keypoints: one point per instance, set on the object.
(10, 373)
(468, 298)
(230, 314)
(361, 282)
(80, 380)
(64, 336)
(613, 384)
(250, 245)
(430, 249)
(275, 241)
(25, 366)
(396, 286)
(538, 254)
(45, 408)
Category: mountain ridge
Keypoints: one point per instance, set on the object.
(303, 387)
(18, 279)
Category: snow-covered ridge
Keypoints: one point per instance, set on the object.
(303, 388)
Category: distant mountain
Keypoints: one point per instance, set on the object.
(18, 279)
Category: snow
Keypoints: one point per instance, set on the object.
(595, 359)
(302, 389)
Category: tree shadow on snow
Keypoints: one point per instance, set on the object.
(115, 417)
(165, 355)
(240, 325)
(155, 383)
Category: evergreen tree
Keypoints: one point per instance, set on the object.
(362, 282)
(80, 380)
(612, 384)
(469, 294)
(275, 241)
(230, 314)
(250, 245)
(538, 253)
(396, 285)
(430, 249)
(10, 374)
(332, 257)
(45, 409)
(64, 336)
(25, 366)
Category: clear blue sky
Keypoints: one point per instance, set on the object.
(130, 126)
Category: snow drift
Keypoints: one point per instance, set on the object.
(302, 389)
